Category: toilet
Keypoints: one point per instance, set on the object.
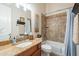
(46, 48)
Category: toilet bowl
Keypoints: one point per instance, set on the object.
(46, 48)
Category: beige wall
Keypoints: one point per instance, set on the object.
(37, 9)
(51, 7)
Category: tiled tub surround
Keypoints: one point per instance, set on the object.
(56, 27)
(11, 50)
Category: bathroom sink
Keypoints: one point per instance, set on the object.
(24, 44)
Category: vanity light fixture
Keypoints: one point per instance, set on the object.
(24, 5)
(17, 5)
(28, 6)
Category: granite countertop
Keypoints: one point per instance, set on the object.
(11, 50)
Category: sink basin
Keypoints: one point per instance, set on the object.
(24, 44)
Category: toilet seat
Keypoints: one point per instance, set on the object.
(46, 48)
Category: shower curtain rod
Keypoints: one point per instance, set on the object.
(75, 9)
(57, 11)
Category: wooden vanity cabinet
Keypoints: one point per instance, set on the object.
(33, 51)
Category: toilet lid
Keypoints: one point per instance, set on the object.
(46, 46)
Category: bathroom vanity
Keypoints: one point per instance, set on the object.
(33, 49)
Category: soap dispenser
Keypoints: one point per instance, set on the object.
(14, 40)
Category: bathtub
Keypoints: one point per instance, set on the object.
(57, 48)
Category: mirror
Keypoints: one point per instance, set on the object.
(15, 21)
(21, 25)
(5, 22)
(24, 23)
(28, 28)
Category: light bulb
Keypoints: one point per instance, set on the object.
(24, 8)
(28, 6)
(17, 5)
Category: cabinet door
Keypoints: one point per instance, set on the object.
(28, 52)
(37, 53)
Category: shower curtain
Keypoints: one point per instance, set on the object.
(70, 48)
